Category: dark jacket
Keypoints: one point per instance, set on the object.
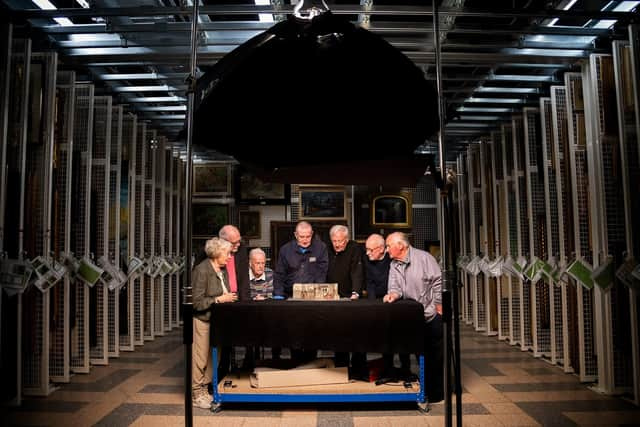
(377, 277)
(241, 261)
(346, 269)
(299, 266)
(206, 287)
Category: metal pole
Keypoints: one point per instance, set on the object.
(187, 303)
(444, 230)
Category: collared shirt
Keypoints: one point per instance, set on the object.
(262, 285)
(417, 277)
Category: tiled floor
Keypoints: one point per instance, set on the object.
(502, 387)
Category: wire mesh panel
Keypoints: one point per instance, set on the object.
(13, 194)
(488, 236)
(100, 169)
(560, 156)
(168, 234)
(582, 207)
(177, 233)
(522, 227)
(36, 223)
(559, 328)
(59, 370)
(627, 67)
(127, 241)
(159, 232)
(80, 214)
(115, 161)
(540, 296)
(139, 230)
(500, 230)
(148, 171)
(474, 182)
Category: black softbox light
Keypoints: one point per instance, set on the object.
(314, 92)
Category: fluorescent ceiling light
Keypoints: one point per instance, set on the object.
(484, 110)
(495, 100)
(520, 77)
(507, 89)
(47, 5)
(264, 17)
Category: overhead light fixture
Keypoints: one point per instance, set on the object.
(47, 5)
(264, 17)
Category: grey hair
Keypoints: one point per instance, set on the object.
(214, 247)
(256, 251)
(338, 229)
(376, 238)
(401, 238)
(303, 225)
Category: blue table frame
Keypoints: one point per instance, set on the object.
(220, 398)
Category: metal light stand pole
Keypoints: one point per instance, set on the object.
(446, 250)
(187, 303)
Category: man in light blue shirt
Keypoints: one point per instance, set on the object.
(415, 274)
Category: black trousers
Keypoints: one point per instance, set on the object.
(433, 360)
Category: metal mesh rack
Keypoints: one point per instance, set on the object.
(559, 154)
(127, 241)
(59, 370)
(139, 230)
(36, 219)
(115, 180)
(627, 70)
(540, 295)
(100, 168)
(582, 219)
(82, 145)
(149, 219)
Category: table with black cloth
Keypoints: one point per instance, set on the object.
(344, 326)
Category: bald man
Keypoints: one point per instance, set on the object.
(415, 274)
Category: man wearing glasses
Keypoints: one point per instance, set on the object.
(377, 277)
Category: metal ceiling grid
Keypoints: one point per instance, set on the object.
(497, 57)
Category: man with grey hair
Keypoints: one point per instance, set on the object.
(347, 270)
(415, 274)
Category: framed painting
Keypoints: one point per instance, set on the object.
(211, 179)
(255, 191)
(391, 210)
(208, 218)
(322, 203)
(250, 224)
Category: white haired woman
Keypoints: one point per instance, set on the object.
(210, 286)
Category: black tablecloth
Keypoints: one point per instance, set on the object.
(361, 325)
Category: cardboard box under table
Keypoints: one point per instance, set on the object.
(343, 326)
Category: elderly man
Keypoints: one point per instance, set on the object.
(345, 263)
(415, 274)
(260, 277)
(302, 260)
(377, 277)
(347, 270)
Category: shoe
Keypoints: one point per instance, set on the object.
(202, 401)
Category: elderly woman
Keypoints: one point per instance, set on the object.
(210, 286)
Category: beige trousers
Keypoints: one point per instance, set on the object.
(202, 371)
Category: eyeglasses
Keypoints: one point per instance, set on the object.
(373, 249)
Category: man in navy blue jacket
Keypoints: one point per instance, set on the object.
(302, 260)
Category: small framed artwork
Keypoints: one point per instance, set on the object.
(250, 224)
(255, 191)
(391, 210)
(208, 218)
(211, 179)
(322, 203)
